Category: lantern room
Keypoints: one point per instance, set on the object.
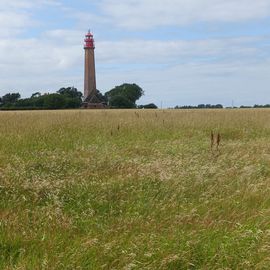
(89, 42)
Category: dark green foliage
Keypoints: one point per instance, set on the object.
(73, 98)
(72, 103)
(262, 106)
(54, 101)
(10, 98)
(65, 98)
(124, 96)
(121, 102)
(71, 92)
(148, 106)
(22, 103)
(200, 106)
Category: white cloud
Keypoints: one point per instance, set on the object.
(11, 22)
(168, 52)
(15, 4)
(16, 15)
(63, 49)
(65, 37)
(146, 14)
(26, 4)
(35, 56)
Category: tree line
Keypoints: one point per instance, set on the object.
(219, 106)
(122, 96)
(200, 106)
(64, 98)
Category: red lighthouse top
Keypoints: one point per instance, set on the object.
(89, 42)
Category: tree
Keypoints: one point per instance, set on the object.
(124, 94)
(73, 98)
(54, 101)
(121, 102)
(71, 92)
(35, 95)
(148, 106)
(72, 103)
(24, 103)
(10, 98)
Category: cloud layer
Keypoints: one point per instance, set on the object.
(145, 14)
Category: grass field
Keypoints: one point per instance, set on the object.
(134, 190)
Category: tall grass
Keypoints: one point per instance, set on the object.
(134, 190)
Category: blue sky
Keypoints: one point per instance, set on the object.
(179, 51)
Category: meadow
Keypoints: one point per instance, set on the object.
(134, 189)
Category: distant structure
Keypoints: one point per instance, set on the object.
(91, 97)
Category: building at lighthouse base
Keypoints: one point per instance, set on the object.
(94, 102)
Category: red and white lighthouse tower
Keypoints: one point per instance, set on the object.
(89, 66)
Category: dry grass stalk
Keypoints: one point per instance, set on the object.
(218, 140)
(212, 140)
(215, 140)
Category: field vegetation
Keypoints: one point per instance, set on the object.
(135, 189)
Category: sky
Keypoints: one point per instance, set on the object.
(181, 52)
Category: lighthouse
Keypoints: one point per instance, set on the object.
(91, 97)
(89, 65)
